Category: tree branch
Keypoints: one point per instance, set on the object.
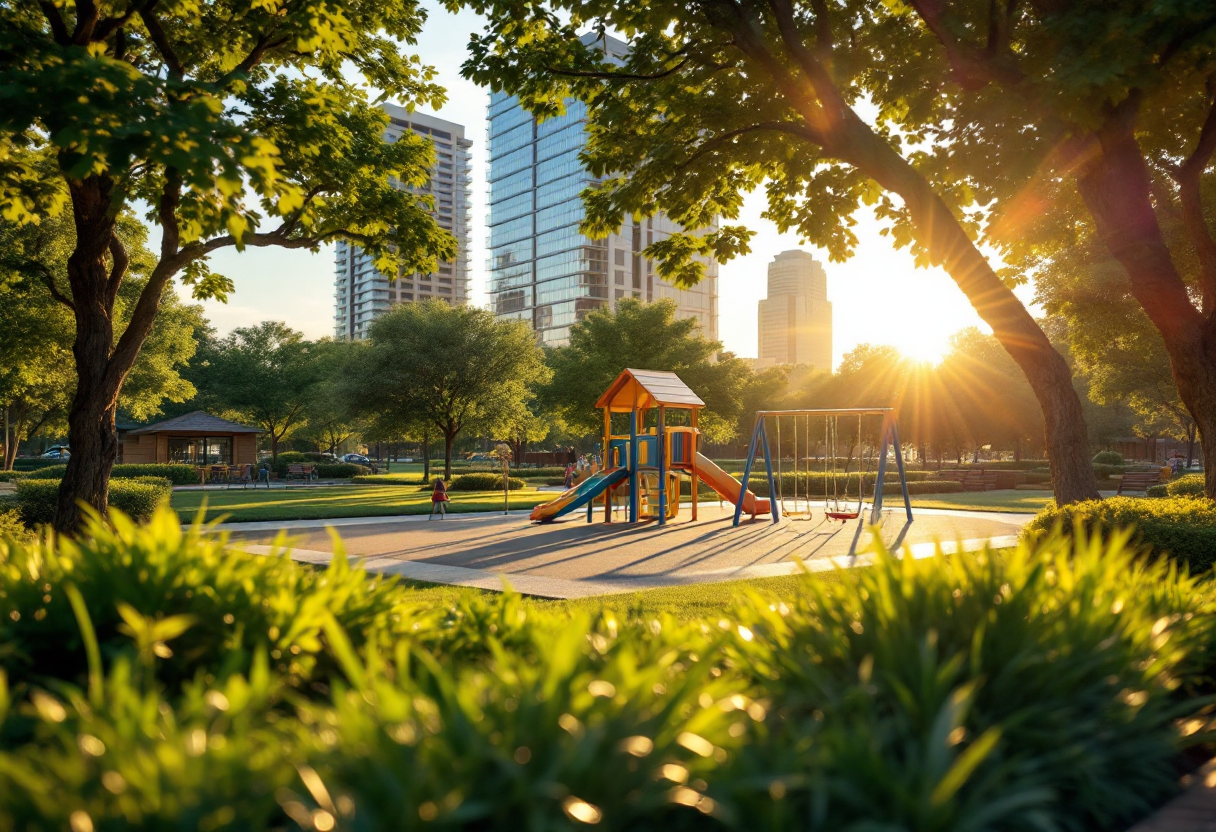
(48, 280)
(87, 15)
(712, 144)
(1188, 175)
(108, 26)
(264, 45)
(973, 68)
(617, 76)
(119, 261)
(161, 41)
(59, 29)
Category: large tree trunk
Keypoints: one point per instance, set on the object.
(947, 243)
(426, 458)
(449, 436)
(1116, 189)
(91, 432)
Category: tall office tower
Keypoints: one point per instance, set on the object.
(361, 292)
(542, 270)
(796, 318)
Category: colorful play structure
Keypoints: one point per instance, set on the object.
(836, 506)
(645, 465)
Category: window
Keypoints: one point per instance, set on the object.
(200, 450)
(620, 276)
(620, 257)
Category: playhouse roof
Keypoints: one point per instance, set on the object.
(197, 422)
(646, 389)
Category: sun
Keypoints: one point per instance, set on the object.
(926, 349)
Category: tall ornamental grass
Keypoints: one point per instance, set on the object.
(155, 678)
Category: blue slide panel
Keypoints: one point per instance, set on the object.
(583, 493)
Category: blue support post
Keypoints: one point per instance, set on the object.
(747, 467)
(773, 508)
(903, 476)
(633, 466)
(876, 511)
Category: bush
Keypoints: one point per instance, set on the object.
(388, 479)
(1107, 471)
(137, 497)
(10, 521)
(174, 473)
(341, 470)
(13, 476)
(483, 482)
(27, 464)
(1108, 458)
(285, 458)
(1182, 527)
(1041, 689)
(1160, 490)
(1191, 485)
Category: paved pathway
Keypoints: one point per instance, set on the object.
(572, 558)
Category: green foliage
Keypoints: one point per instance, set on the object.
(1191, 485)
(341, 470)
(1108, 458)
(645, 337)
(1103, 471)
(1184, 528)
(1161, 490)
(34, 464)
(13, 476)
(137, 497)
(176, 474)
(1038, 689)
(11, 524)
(387, 479)
(484, 482)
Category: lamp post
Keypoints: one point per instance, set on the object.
(503, 451)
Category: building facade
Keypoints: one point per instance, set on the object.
(795, 320)
(541, 269)
(361, 292)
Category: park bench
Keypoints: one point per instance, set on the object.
(299, 473)
(1142, 480)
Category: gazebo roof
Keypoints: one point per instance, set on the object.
(197, 422)
(646, 389)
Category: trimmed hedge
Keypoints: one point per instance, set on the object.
(483, 482)
(1182, 527)
(1191, 485)
(1108, 458)
(136, 497)
(218, 690)
(27, 464)
(341, 470)
(174, 473)
(388, 479)
(13, 476)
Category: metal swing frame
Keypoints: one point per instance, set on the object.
(889, 441)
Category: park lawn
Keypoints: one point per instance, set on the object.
(687, 602)
(325, 503)
(1030, 502)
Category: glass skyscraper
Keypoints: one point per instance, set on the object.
(361, 292)
(542, 270)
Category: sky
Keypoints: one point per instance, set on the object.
(878, 296)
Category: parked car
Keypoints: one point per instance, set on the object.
(357, 459)
(58, 452)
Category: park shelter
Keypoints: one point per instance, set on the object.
(196, 438)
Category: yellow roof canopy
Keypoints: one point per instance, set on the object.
(645, 389)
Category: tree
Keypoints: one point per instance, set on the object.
(329, 420)
(217, 116)
(719, 97)
(1082, 125)
(643, 336)
(265, 374)
(37, 377)
(446, 368)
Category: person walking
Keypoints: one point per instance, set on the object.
(439, 499)
(569, 476)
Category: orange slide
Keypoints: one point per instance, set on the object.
(729, 487)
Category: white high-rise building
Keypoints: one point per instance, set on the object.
(795, 320)
(542, 269)
(361, 292)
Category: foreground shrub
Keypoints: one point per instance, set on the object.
(136, 497)
(483, 482)
(1182, 527)
(13, 476)
(1191, 485)
(1108, 458)
(1041, 689)
(11, 524)
(176, 474)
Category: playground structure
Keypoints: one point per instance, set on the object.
(835, 507)
(646, 463)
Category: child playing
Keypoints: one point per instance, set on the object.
(439, 499)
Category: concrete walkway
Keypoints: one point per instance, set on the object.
(572, 559)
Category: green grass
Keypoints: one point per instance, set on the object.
(687, 602)
(324, 503)
(1030, 502)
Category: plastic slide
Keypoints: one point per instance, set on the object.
(580, 495)
(729, 487)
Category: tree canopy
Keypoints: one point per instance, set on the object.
(236, 124)
(447, 368)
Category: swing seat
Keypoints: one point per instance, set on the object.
(842, 516)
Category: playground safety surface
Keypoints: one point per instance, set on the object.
(572, 558)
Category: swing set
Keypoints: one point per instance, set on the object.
(836, 436)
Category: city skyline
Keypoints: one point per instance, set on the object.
(879, 295)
